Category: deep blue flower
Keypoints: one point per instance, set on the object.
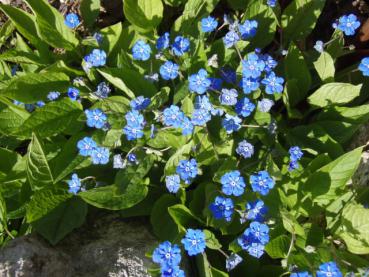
(141, 51)
(233, 183)
(228, 75)
(134, 118)
(71, 20)
(329, 269)
(228, 97)
(133, 132)
(163, 42)
(232, 261)
(270, 63)
(167, 254)
(364, 66)
(186, 126)
(96, 118)
(259, 232)
(40, 104)
(261, 182)
(230, 39)
(132, 158)
(231, 123)
(74, 184)
(293, 165)
(245, 149)
(100, 155)
(265, 104)
(102, 90)
(256, 210)
(244, 107)
(96, 58)
(348, 24)
(250, 84)
(215, 83)
(180, 46)
(209, 24)
(73, 93)
(85, 146)
(173, 271)
(173, 116)
(169, 70)
(272, 3)
(187, 170)
(203, 102)
(295, 153)
(222, 208)
(53, 95)
(252, 66)
(319, 46)
(140, 103)
(199, 82)
(301, 274)
(248, 29)
(273, 83)
(194, 242)
(173, 183)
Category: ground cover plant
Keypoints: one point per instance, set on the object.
(219, 121)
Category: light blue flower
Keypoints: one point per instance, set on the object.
(141, 51)
(169, 70)
(100, 155)
(329, 269)
(85, 146)
(96, 58)
(167, 254)
(265, 104)
(273, 83)
(261, 182)
(173, 183)
(180, 46)
(348, 24)
(71, 20)
(244, 107)
(231, 123)
(74, 184)
(199, 82)
(319, 46)
(233, 183)
(230, 39)
(250, 84)
(252, 66)
(364, 66)
(53, 95)
(248, 29)
(228, 97)
(194, 242)
(96, 118)
(245, 149)
(173, 116)
(209, 24)
(200, 117)
(187, 169)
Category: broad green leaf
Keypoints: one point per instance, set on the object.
(11, 118)
(38, 169)
(182, 216)
(3, 215)
(62, 220)
(300, 17)
(278, 247)
(6, 30)
(53, 118)
(90, 10)
(20, 57)
(174, 3)
(145, 15)
(44, 201)
(8, 159)
(167, 138)
(340, 131)
(33, 87)
(358, 115)
(51, 26)
(355, 228)
(211, 240)
(324, 65)
(334, 94)
(180, 154)
(291, 225)
(160, 98)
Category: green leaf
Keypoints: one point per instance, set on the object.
(278, 247)
(15, 56)
(166, 138)
(324, 65)
(44, 201)
(90, 10)
(180, 154)
(11, 118)
(291, 224)
(129, 81)
(6, 31)
(33, 87)
(300, 17)
(182, 216)
(62, 220)
(38, 169)
(160, 98)
(211, 240)
(334, 94)
(357, 115)
(51, 27)
(174, 3)
(355, 228)
(3, 214)
(145, 15)
(53, 118)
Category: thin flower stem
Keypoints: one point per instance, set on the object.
(224, 253)
(293, 238)
(238, 52)
(253, 126)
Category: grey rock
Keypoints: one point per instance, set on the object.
(361, 176)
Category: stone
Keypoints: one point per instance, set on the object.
(361, 176)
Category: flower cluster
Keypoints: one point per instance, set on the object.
(88, 148)
(347, 24)
(254, 239)
(295, 155)
(329, 269)
(135, 120)
(168, 256)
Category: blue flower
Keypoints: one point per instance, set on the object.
(30, 107)
(140, 103)
(233, 183)
(173, 183)
(74, 184)
(98, 37)
(257, 232)
(194, 242)
(230, 39)
(270, 63)
(141, 51)
(163, 42)
(167, 254)
(319, 46)
(208, 24)
(301, 274)
(215, 83)
(40, 104)
(348, 24)
(264, 105)
(180, 46)
(272, 3)
(293, 165)
(228, 97)
(187, 170)
(244, 107)
(295, 153)
(134, 118)
(96, 118)
(222, 208)
(73, 93)
(261, 182)
(329, 269)
(256, 249)
(256, 210)
(132, 158)
(364, 66)
(133, 132)
(173, 116)
(232, 261)
(199, 82)
(100, 155)
(85, 146)
(169, 70)
(173, 271)
(118, 162)
(250, 84)
(96, 58)
(53, 95)
(273, 83)
(245, 149)
(248, 29)
(103, 90)
(186, 126)
(203, 102)
(231, 123)
(252, 66)
(200, 117)
(71, 20)
(228, 75)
